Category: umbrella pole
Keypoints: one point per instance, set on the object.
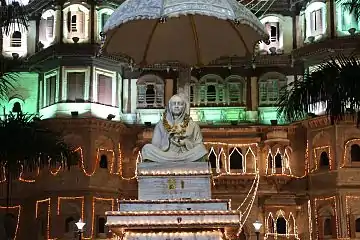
(183, 82)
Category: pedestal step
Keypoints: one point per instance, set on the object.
(172, 219)
(174, 181)
(173, 187)
(174, 205)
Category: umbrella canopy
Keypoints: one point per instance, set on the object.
(192, 32)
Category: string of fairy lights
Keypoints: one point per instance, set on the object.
(291, 226)
(252, 153)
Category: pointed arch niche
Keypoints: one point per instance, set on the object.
(351, 155)
(105, 154)
(281, 223)
(217, 158)
(321, 153)
(242, 159)
(278, 153)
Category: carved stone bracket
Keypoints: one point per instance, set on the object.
(279, 181)
(237, 182)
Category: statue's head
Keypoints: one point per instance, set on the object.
(178, 106)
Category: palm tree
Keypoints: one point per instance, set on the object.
(11, 15)
(25, 145)
(335, 84)
(353, 6)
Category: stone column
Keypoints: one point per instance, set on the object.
(88, 215)
(254, 93)
(92, 22)
(342, 217)
(168, 89)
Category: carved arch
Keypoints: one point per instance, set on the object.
(320, 139)
(271, 87)
(235, 89)
(211, 90)
(150, 91)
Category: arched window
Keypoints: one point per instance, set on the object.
(274, 26)
(212, 159)
(47, 27)
(271, 87)
(328, 227)
(281, 225)
(324, 160)
(69, 222)
(101, 225)
(355, 153)
(150, 92)
(235, 158)
(16, 39)
(278, 160)
(235, 90)
(211, 90)
(357, 225)
(75, 21)
(16, 107)
(103, 161)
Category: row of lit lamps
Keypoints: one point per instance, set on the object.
(257, 226)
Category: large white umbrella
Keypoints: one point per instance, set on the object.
(191, 32)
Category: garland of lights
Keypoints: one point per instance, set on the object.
(271, 229)
(333, 199)
(346, 151)
(18, 207)
(250, 153)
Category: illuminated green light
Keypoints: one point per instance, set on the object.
(25, 92)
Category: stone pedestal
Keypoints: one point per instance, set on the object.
(174, 203)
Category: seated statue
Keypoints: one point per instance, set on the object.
(176, 138)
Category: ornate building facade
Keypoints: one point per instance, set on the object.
(307, 187)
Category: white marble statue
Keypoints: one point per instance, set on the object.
(176, 138)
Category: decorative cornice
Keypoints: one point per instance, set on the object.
(327, 48)
(91, 123)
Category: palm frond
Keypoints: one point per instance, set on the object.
(26, 144)
(12, 15)
(334, 84)
(353, 6)
(8, 75)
